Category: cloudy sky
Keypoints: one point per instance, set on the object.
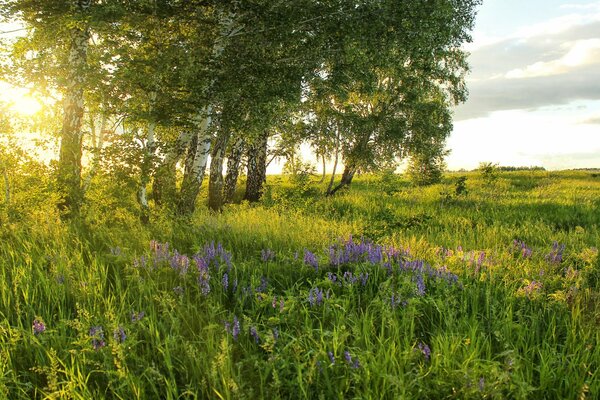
(534, 86)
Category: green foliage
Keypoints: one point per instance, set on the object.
(489, 172)
(426, 168)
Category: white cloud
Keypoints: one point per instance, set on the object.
(580, 52)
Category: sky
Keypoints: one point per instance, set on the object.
(534, 87)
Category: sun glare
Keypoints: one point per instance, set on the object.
(25, 105)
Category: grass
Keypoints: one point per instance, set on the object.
(467, 296)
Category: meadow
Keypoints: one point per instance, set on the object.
(384, 291)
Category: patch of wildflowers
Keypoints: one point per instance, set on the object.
(136, 316)
(331, 357)
(119, 335)
(38, 326)
(97, 335)
(556, 254)
(310, 259)
(267, 255)
(425, 350)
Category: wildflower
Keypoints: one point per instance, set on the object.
(97, 335)
(254, 334)
(420, 285)
(38, 326)
(331, 357)
(348, 357)
(556, 255)
(481, 384)
(235, 331)
(315, 297)
(281, 304)
(225, 281)
(425, 350)
(136, 316)
(363, 278)
(119, 335)
(311, 260)
(275, 334)
(267, 255)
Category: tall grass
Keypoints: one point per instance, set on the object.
(467, 296)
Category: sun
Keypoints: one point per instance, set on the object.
(25, 105)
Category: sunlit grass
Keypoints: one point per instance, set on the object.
(520, 322)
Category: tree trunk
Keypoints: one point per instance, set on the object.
(349, 171)
(164, 185)
(69, 162)
(146, 167)
(233, 170)
(335, 164)
(324, 169)
(215, 182)
(195, 165)
(257, 168)
(97, 145)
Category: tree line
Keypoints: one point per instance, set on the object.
(178, 83)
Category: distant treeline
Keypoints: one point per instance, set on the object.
(508, 168)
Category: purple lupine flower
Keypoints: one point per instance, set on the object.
(556, 255)
(97, 335)
(119, 335)
(356, 363)
(349, 278)
(363, 278)
(235, 330)
(332, 277)
(315, 297)
(38, 326)
(331, 357)
(274, 302)
(275, 334)
(532, 288)
(136, 316)
(311, 260)
(420, 285)
(267, 255)
(425, 350)
(481, 384)
(254, 334)
(348, 357)
(225, 281)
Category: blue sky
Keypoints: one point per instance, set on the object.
(534, 86)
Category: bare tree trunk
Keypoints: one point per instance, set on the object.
(195, 165)
(97, 145)
(233, 169)
(164, 185)
(349, 171)
(335, 164)
(215, 183)
(257, 168)
(69, 163)
(324, 169)
(146, 167)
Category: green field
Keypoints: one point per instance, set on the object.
(383, 291)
